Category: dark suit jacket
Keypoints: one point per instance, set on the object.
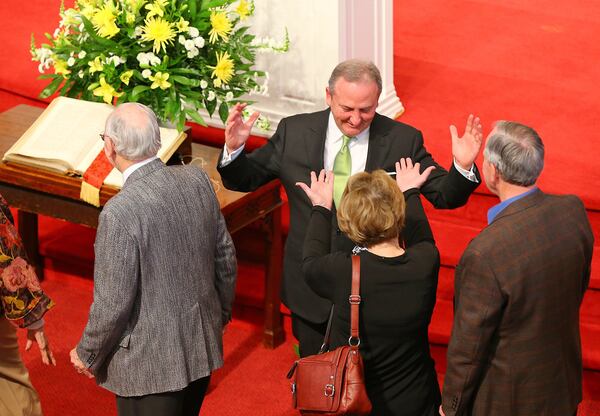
(296, 149)
(515, 346)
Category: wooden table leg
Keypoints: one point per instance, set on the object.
(273, 332)
(28, 229)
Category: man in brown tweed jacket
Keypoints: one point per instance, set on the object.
(515, 347)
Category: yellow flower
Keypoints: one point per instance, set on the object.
(159, 31)
(104, 21)
(182, 25)
(60, 67)
(106, 91)
(159, 80)
(224, 68)
(125, 76)
(96, 65)
(243, 10)
(221, 26)
(129, 17)
(156, 9)
(134, 5)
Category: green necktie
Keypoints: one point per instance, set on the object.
(342, 169)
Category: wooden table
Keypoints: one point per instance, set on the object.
(34, 191)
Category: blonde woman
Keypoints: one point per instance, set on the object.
(398, 284)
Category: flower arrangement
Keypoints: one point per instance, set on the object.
(176, 56)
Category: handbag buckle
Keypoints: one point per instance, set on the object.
(329, 390)
(354, 299)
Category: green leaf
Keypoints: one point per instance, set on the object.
(52, 87)
(185, 81)
(186, 71)
(212, 4)
(223, 112)
(193, 114)
(138, 90)
(47, 76)
(192, 9)
(181, 120)
(210, 106)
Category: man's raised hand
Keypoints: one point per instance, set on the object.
(466, 148)
(237, 130)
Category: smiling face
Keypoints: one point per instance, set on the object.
(353, 104)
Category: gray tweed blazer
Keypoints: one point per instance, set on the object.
(164, 281)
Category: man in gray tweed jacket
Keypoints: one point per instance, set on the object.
(164, 278)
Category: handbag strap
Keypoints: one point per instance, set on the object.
(325, 345)
(354, 299)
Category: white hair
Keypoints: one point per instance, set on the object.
(134, 131)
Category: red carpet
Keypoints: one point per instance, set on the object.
(533, 62)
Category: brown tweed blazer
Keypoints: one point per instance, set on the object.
(515, 347)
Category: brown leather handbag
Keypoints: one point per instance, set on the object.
(333, 382)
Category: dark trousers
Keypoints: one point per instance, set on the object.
(309, 334)
(186, 402)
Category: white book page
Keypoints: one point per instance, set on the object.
(68, 130)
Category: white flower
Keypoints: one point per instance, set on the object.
(82, 54)
(181, 39)
(153, 59)
(138, 31)
(71, 61)
(229, 96)
(80, 74)
(142, 58)
(189, 44)
(199, 41)
(113, 59)
(203, 84)
(211, 96)
(146, 73)
(193, 53)
(56, 32)
(122, 59)
(193, 32)
(263, 123)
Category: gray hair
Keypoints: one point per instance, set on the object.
(355, 70)
(134, 131)
(516, 151)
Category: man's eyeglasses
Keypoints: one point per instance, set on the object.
(103, 136)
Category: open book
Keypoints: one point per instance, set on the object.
(66, 139)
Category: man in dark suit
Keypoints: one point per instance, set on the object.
(347, 138)
(515, 347)
(164, 278)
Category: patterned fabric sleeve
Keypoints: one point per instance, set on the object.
(22, 300)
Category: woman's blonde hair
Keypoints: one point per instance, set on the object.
(371, 209)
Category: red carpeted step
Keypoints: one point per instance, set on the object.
(451, 239)
(441, 322)
(445, 288)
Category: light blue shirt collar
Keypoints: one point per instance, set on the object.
(497, 209)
